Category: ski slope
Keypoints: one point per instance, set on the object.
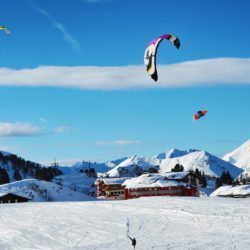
(156, 223)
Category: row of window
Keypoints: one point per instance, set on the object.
(117, 192)
(157, 193)
(154, 189)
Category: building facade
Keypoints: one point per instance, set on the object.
(12, 198)
(110, 188)
(146, 185)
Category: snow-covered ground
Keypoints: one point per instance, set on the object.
(156, 223)
(236, 191)
(38, 190)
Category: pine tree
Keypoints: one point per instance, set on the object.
(218, 182)
(4, 177)
(204, 180)
(177, 168)
(17, 175)
(225, 178)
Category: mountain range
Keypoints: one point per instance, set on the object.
(191, 159)
(14, 168)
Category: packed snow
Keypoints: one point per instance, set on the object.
(157, 223)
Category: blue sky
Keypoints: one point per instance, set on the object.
(74, 87)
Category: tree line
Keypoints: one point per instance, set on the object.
(24, 169)
(225, 177)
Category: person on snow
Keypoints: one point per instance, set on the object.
(133, 241)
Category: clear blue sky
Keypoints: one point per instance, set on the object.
(43, 122)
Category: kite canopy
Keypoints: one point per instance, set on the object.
(151, 52)
(199, 114)
(7, 31)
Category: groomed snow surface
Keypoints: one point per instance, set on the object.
(156, 223)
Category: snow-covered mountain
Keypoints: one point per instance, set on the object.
(134, 166)
(240, 157)
(38, 190)
(203, 161)
(14, 168)
(99, 167)
(161, 156)
(76, 181)
(172, 153)
(164, 162)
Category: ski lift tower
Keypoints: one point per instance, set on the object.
(55, 164)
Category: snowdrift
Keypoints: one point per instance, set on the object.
(230, 191)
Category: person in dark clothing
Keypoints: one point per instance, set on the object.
(133, 241)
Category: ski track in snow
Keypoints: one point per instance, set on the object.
(156, 223)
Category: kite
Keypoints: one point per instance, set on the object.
(199, 114)
(151, 52)
(7, 31)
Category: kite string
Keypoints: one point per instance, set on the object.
(127, 224)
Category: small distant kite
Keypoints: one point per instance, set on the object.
(5, 29)
(151, 51)
(199, 114)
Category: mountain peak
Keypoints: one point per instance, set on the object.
(240, 156)
(161, 156)
(203, 161)
(246, 144)
(174, 152)
(4, 153)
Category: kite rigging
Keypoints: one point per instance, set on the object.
(199, 114)
(151, 52)
(5, 29)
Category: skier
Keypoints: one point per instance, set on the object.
(133, 241)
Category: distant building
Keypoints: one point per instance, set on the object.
(110, 188)
(13, 198)
(168, 184)
(242, 179)
(159, 185)
(184, 176)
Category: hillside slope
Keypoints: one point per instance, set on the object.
(38, 190)
(240, 156)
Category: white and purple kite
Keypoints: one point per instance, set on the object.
(151, 51)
